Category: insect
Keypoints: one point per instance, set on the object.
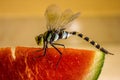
(56, 24)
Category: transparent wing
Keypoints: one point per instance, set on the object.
(66, 18)
(56, 19)
(52, 15)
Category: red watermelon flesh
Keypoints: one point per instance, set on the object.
(75, 64)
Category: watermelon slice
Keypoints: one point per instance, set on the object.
(75, 64)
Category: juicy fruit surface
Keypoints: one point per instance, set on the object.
(30, 65)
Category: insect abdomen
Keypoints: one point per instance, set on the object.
(91, 42)
(54, 35)
(63, 35)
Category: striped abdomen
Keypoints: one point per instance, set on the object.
(91, 42)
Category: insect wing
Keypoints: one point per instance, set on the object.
(52, 15)
(57, 20)
(66, 17)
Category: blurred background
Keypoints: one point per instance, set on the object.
(22, 20)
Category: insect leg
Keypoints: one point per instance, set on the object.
(39, 50)
(44, 50)
(59, 53)
(59, 44)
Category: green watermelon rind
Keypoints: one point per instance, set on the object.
(96, 67)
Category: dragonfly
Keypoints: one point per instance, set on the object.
(56, 23)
